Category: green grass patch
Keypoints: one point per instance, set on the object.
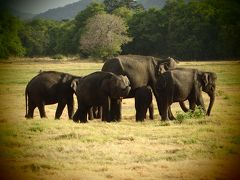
(197, 114)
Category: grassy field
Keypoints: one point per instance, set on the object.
(205, 148)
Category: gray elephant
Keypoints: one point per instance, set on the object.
(181, 84)
(98, 89)
(50, 87)
(143, 102)
(140, 70)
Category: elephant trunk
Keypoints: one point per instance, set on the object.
(212, 99)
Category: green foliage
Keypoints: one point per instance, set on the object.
(104, 36)
(111, 5)
(10, 44)
(198, 30)
(197, 114)
(36, 36)
(124, 13)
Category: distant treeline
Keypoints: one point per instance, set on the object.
(198, 30)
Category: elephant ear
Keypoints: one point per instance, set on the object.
(205, 78)
(171, 63)
(74, 84)
(212, 77)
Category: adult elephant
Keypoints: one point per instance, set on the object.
(50, 87)
(140, 70)
(182, 84)
(98, 89)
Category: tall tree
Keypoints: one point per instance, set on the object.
(80, 22)
(103, 36)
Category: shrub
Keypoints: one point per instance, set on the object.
(197, 114)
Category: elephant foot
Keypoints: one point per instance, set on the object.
(83, 121)
(28, 117)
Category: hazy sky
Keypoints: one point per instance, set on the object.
(37, 6)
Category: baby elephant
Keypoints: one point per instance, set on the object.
(143, 102)
(182, 84)
(98, 89)
(50, 87)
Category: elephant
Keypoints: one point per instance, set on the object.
(140, 70)
(50, 87)
(180, 84)
(143, 102)
(97, 89)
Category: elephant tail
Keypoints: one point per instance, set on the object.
(26, 102)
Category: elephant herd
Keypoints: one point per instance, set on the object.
(100, 94)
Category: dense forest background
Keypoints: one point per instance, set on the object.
(194, 30)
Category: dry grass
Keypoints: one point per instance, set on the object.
(206, 148)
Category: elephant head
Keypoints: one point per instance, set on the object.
(163, 65)
(116, 86)
(208, 81)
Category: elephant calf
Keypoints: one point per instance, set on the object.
(99, 89)
(143, 102)
(181, 84)
(49, 87)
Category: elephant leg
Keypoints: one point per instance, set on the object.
(59, 110)
(99, 112)
(116, 109)
(200, 102)
(106, 110)
(31, 107)
(141, 111)
(170, 114)
(70, 106)
(95, 111)
(140, 114)
(76, 116)
(151, 111)
(183, 106)
(91, 113)
(164, 110)
(192, 105)
(41, 110)
(81, 114)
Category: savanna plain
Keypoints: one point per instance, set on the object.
(202, 148)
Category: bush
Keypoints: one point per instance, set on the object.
(197, 114)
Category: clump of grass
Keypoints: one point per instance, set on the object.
(197, 114)
(226, 97)
(37, 127)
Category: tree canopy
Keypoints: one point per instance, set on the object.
(103, 36)
(206, 29)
